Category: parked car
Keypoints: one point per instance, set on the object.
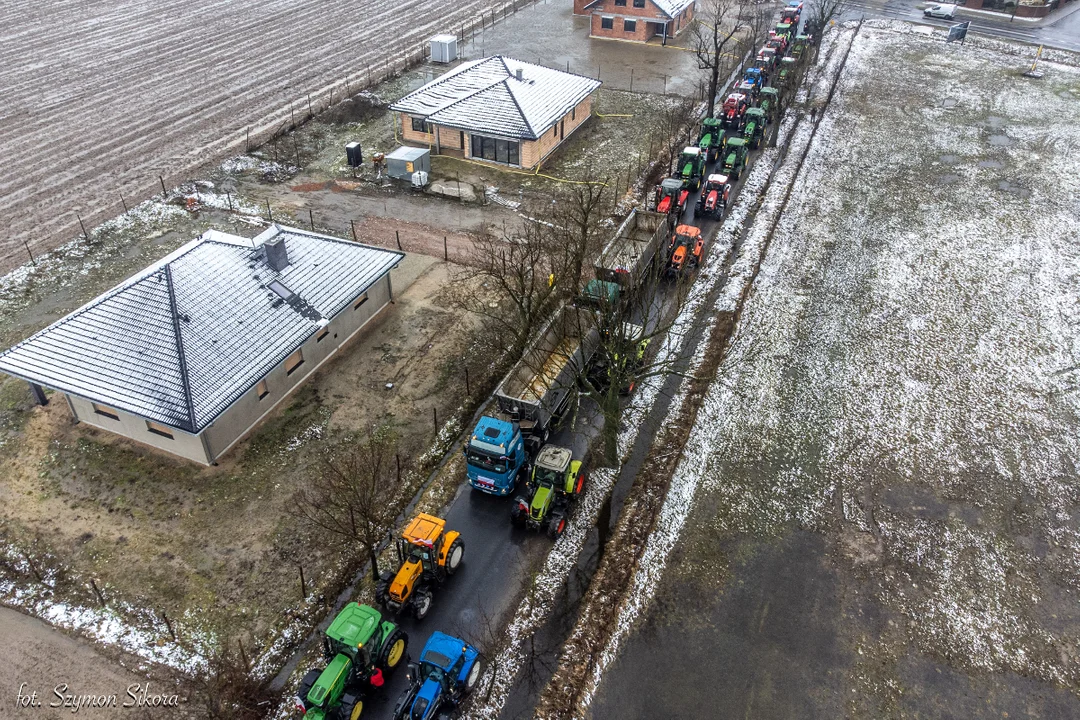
(945, 12)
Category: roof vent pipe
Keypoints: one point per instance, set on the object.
(519, 74)
(277, 257)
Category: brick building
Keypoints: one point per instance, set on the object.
(497, 110)
(636, 20)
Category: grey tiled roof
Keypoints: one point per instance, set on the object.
(183, 339)
(485, 96)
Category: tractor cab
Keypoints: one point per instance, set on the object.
(691, 167)
(735, 160)
(714, 197)
(756, 76)
(767, 58)
(779, 43)
(755, 127)
(448, 670)
(787, 71)
(670, 197)
(712, 138)
(748, 88)
(799, 46)
(687, 248)
(785, 30)
(789, 16)
(734, 107)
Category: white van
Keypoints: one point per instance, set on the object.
(945, 12)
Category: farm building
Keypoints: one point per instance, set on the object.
(636, 20)
(191, 353)
(497, 110)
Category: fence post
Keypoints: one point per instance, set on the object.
(445, 252)
(85, 234)
(269, 212)
(631, 79)
(303, 585)
(311, 218)
(124, 203)
(164, 192)
(353, 226)
(397, 236)
(27, 246)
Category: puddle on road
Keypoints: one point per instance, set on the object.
(993, 164)
(1001, 140)
(950, 159)
(947, 179)
(995, 122)
(949, 103)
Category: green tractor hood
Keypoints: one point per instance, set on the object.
(540, 503)
(705, 141)
(688, 170)
(330, 686)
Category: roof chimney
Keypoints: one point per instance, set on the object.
(277, 256)
(519, 74)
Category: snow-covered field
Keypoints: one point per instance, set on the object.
(101, 98)
(913, 334)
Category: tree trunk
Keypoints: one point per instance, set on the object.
(374, 563)
(714, 81)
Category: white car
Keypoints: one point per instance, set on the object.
(945, 12)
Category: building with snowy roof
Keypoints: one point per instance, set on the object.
(191, 353)
(636, 20)
(497, 110)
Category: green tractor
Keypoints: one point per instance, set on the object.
(754, 130)
(712, 140)
(553, 488)
(786, 77)
(735, 161)
(359, 646)
(769, 101)
(691, 167)
(799, 46)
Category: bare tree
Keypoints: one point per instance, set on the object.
(716, 25)
(226, 690)
(576, 218)
(819, 13)
(510, 278)
(672, 125)
(354, 494)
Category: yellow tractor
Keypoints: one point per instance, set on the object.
(427, 555)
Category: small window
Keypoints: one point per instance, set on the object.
(629, 25)
(159, 429)
(322, 333)
(573, 113)
(555, 131)
(262, 389)
(620, 3)
(420, 125)
(280, 290)
(359, 301)
(294, 361)
(106, 411)
(462, 140)
(607, 23)
(639, 3)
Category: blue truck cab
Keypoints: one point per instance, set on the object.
(495, 455)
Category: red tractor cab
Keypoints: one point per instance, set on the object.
(777, 42)
(686, 250)
(733, 110)
(671, 198)
(767, 58)
(714, 197)
(790, 15)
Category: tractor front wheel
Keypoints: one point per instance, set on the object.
(382, 588)
(393, 650)
(351, 707)
(453, 558)
(556, 525)
(422, 604)
(517, 513)
(473, 676)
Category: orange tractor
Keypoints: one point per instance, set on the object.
(686, 249)
(428, 554)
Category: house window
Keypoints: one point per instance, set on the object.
(639, 3)
(262, 389)
(322, 333)
(420, 125)
(502, 151)
(573, 113)
(159, 429)
(620, 3)
(462, 141)
(607, 23)
(359, 301)
(105, 410)
(294, 361)
(629, 25)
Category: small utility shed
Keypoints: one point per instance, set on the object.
(497, 110)
(191, 353)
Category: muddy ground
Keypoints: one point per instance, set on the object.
(886, 525)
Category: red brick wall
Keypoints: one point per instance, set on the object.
(645, 18)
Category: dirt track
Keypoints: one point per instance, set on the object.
(101, 98)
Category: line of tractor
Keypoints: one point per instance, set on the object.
(508, 451)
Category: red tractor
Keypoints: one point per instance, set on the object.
(671, 198)
(714, 197)
(733, 110)
(686, 249)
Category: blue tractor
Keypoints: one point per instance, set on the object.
(448, 670)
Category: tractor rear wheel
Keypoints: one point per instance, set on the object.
(382, 588)
(351, 708)
(393, 650)
(421, 604)
(454, 556)
(556, 524)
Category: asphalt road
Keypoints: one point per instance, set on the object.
(1060, 32)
